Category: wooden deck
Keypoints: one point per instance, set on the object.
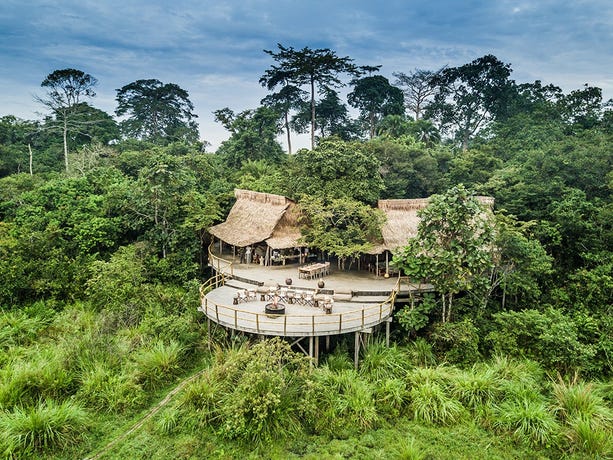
(362, 300)
(298, 320)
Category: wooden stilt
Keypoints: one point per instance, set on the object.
(377, 266)
(311, 349)
(327, 343)
(356, 353)
(317, 351)
(208, 332)
(387, 263)
(388, 322)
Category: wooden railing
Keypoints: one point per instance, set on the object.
(316, 324)
(220, 264)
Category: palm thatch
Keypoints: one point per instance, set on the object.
(287, 233)
(252, 219)
(402, 221)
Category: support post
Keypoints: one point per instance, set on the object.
(356, 353)
(208, 331)
(317, 350)
(311, 349)
(387, 332)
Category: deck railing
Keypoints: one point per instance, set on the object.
(220, 264)
(315, 324)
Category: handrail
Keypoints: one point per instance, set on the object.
(318, 323)
(217, 261)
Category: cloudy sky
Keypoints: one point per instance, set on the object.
(213, 49)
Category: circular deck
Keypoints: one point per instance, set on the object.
(298, 320)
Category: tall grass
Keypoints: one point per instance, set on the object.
(31, 431)
(339, 404)
(432, 405)
(581, 400)
(158, 363)
(588, 418)
(421, 354)
(40, 373)
(19, 328)
(106, 390)
(528, 420)
(382, 362)
(477, 388)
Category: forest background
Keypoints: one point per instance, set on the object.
(103, 239)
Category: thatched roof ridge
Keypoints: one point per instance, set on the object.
(287, 233)
(402, 220)
(252, 219)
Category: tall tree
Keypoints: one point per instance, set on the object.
(332, 117)
(417, 89)
(66, 88)
(313, 67)
(287, 98)
(375, 97)
(157, 112)
(253, 136)
(470, 96)
(453, 248)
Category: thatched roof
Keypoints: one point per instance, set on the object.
(402, 221)
(287, 233)
(252, 219)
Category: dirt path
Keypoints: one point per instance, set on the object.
(154, 410)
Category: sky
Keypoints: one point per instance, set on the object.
(214, 49)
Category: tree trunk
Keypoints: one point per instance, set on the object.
(312, 113)
(449, 307)
(289, 141)
(444, 311)
(30, 150)
(65, 137)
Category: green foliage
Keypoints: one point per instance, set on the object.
(343, 227)
(414, 317)
(28, 432)
(549, 337)
(339, 404)
(105, 390)
(157, 112)
(253, 136)
(338, 169)
(252, 393)
(527, 420)
(431, 404)
(452, 248)
(380, 361)
(457, 343)
(157, 363)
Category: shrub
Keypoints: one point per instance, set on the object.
(382, 362)
(261, 402)
(339, 404)
(431, 404)
(104, 390)
(549, 337)
(29, 432)
(527, 420)
(457, 343)
(159, 363)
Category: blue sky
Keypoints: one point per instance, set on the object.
(213, 49)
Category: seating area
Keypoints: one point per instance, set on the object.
(316, 270)
(244, 295)
(285, 294)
